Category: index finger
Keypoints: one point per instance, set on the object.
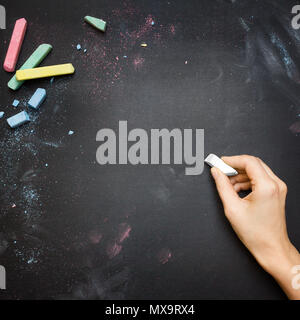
(249, 164)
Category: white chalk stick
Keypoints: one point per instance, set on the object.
(214, 161)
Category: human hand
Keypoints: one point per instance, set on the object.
(259, 218)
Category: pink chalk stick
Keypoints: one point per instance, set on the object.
(15, 45)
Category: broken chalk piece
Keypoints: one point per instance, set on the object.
(1, 114)
(15, 45)
(15, 103)
(214, 161)
(18, 119)
(37, 99)
(44, 72)
(34, 60)
(95, 22)
(78, 47)
(70, 133)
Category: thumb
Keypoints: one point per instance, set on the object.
(225, 189)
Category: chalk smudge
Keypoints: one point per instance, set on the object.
(295, 128)
(286, 57)
(138, 62)
(164, 255)
(244, 24)
(113, 249)
(124, 232)
(29, 175)
(95, 237)
(115, 246)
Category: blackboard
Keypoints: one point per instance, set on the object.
(72, 229)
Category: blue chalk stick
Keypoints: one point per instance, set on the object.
(1, 114)
(15, 103)
(37, 99)
(18, 119)
(78, 47)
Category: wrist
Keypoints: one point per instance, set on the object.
(280, 265)
(277, 258)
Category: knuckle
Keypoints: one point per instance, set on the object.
(272, 188)
(251, 159)
(258, 159)
(230, 210)
(283, 187)
(247, 158)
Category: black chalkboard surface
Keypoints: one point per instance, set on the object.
(71, 228)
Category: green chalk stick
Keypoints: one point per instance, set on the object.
(95, 22)
(33, 61)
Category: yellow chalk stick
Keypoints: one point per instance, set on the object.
(44, 72)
